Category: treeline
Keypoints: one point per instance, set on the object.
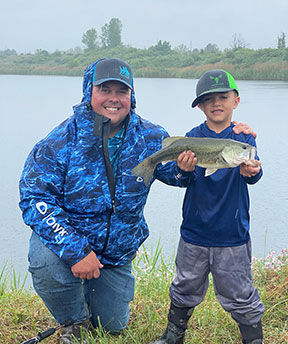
(159, 60)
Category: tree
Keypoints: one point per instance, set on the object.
(285, 57)
(89, 39)
(74, 51)
(161, 48)
(182, 48)
(111, 33)
(104, 35)
(281, 41)
(115, 28)
(8, 52)
(211, 48)
(238, 42)
(195, 51)
(41, 52)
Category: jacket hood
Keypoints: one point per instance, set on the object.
(88, 84)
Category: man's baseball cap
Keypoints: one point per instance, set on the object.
(109, 69)
(217, 80)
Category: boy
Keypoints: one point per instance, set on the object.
(215, 229)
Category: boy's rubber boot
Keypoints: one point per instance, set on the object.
(172, 335)
(177, 324)
(78, 330)
(251, 334)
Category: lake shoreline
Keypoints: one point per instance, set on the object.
(254, 72)
(140, 75)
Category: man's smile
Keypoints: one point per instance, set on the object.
(112, 109)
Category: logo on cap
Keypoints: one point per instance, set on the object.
(124, 72)
(216, 78)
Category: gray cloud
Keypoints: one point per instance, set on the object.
(33, 24)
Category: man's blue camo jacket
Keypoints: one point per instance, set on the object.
(64, 191)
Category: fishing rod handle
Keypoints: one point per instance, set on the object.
(45, 334)
(40, 336)
(31, 341)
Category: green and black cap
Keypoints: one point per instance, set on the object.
(217, 80)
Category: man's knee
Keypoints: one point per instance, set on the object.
(111, 324)
(46, 267)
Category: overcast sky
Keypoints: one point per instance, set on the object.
(27, 25)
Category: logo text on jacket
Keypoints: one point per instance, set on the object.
(42, 207)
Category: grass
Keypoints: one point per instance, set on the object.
(23, 314)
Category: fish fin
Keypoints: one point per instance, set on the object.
(144, 170)
(210, 171)
(169, 140)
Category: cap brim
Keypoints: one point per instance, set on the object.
(99, 82)
(197, 100)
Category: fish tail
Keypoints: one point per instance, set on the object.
(144, 170)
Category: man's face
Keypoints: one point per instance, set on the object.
(112, 99)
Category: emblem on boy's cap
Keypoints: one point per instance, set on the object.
(216, 78)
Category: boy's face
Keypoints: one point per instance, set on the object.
(218, 108)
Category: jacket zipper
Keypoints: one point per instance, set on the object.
(110, 177)
(104, 130)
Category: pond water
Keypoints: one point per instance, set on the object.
(32, 105)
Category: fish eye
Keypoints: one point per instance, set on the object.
(244, 147)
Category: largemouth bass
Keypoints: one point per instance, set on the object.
(211, 154)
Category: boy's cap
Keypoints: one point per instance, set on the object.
(109, 69)
(217, 80)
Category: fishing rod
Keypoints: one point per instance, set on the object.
(47, 333)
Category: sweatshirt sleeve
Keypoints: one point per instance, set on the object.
(42, 192)
(171, 174)
(258, 176)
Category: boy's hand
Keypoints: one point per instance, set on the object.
(186, 161)
(243, 127)
(250, 171)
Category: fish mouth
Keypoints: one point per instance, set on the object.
(252, 154)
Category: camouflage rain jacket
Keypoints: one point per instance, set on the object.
(69, 195)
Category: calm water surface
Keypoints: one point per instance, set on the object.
(31, 106)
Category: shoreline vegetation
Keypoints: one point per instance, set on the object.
(159, 61)
(23, 314)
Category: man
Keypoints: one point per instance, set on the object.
(84, 205)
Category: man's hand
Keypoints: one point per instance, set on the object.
(186, 161)
(243, 127)
(87, 268)
(250, 171)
